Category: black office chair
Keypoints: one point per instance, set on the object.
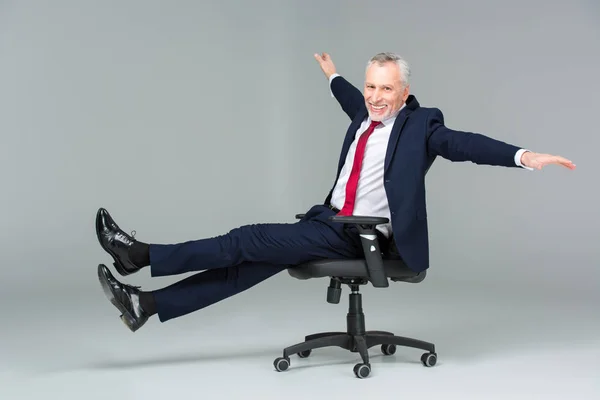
(376, 267)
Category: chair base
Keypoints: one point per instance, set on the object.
(356, 340)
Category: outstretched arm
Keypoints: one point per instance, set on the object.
(467, 146)
(350, 98)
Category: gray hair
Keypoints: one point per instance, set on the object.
(382, 58)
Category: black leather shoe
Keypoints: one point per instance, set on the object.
(115, 242)
(125, 297)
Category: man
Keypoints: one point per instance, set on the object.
(388, 148)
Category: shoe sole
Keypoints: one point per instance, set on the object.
(120, 269)
(125, 316)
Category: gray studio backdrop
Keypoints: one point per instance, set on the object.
(188, 118)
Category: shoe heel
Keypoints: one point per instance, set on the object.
(129, 322)
(120, 270)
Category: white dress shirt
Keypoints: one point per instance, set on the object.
(371, 198)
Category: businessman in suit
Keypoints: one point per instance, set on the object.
(388, 148)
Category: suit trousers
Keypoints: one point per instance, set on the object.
(244, 257)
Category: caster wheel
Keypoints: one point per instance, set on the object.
(362, 370)
(281, 364)
(304, 354)
(429, 359)
(388, 349)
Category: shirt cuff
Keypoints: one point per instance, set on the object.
(330, 80)
(518, 159)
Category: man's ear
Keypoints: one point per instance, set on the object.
(406, 93)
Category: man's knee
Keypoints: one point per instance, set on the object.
(243, 242)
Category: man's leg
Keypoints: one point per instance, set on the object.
(209, 287)
(188, 295)
(288, 244)
(237, 261)
(312, 238)
(254, 249)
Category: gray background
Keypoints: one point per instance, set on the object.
(186, 119)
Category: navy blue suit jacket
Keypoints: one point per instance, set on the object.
(418, 137)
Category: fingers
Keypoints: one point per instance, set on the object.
(565, 162)
(569, 164)
(550, 159)
(322, 57)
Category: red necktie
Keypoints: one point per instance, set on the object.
(353, 179)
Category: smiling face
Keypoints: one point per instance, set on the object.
(384, 90)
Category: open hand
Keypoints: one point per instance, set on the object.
(326, 64)
(538, 160)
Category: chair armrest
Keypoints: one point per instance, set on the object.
(360, 220)
(370, 243)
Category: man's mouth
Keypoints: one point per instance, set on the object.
(378, 108)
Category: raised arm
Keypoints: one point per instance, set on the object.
(350, 98)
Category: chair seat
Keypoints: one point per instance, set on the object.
(395, 269)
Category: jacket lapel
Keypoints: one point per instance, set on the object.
(411, 104)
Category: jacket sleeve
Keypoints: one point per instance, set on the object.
(350, 98)
(456, 145)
